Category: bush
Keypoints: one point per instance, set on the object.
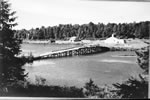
(133, 88)
(91, 89)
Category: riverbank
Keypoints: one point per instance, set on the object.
(36, 41)
(130, 43)
(56, 42)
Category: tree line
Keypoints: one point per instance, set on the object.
(87, 31)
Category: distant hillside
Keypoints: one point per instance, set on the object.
(87, 31)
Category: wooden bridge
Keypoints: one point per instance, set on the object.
(82, 50)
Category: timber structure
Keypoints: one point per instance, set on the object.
(82, 50)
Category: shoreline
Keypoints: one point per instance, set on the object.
(131, 44)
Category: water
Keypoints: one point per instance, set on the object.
(103, 68)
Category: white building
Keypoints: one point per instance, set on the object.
(72, 39)
(113, 40)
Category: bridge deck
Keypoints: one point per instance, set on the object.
(81, 50)
(64, 50)
(60, 51)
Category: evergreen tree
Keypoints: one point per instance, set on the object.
(91, 89)
(10, 65)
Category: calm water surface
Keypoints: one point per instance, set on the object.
(103, 68)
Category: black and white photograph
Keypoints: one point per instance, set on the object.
(74, 49)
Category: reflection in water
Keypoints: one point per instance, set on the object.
(123, 56)
(43, 63)
(117, 61)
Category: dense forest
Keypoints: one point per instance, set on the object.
(87, 31)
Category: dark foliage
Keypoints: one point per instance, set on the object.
(87, 31)
(143, 59)
(91, 89)
(44, 91)
(10, 65)
(133, 88)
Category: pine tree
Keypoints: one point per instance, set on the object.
(91, 89)
(10, 65)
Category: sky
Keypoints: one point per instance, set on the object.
(37, 13)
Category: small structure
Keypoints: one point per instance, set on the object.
(52, 40)
(114, 40)
(73, 39)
